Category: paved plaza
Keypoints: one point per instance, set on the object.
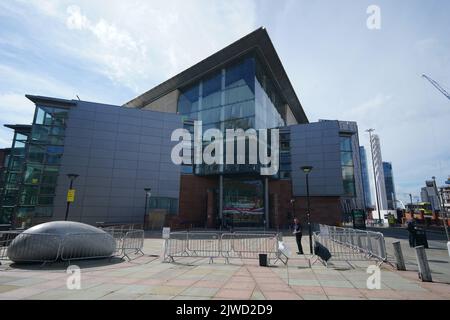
(148, 277)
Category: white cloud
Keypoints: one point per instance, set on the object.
(141, 44)
(15, 109)
(30, 83)
(76, 20)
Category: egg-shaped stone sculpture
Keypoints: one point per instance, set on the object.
(61, 240)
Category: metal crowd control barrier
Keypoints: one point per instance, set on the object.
(250, 245)
(37, 247)
(192, 244)
(133, 242)
(73, 246)
(226, 245)
(346, 244)
(6, 238)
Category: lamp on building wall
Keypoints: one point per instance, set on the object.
(70, 193)
(307, 170)
(148, 194)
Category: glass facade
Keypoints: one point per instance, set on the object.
(34, 167)
(13, 176)
(348, 169)
(285, 155)
(389, 183)
(170, 205)
(239, 96)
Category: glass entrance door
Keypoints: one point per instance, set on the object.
(243, 202)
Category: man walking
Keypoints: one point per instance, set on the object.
(298, 235)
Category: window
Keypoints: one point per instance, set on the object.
(33, 174)
(348, 174)
(165, 203)
(34, 166)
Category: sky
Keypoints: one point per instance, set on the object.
(110, 51)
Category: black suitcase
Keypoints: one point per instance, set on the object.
(322, 252)
(263, 260)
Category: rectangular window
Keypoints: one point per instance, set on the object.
(170, 205)
(348, 174)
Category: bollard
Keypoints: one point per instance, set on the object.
(424, 268)
(399, 256)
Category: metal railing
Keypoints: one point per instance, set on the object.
(128, 239)
(47, 248)
(346, 244)
(83, 246)
(40, 247)
(213, 245)
(249, 246)
(6, 237)
(132, 243)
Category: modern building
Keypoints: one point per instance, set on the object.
(430, 194)
(444, 191)
(332, 147)
(117, 151)
(389, 184)
(377, 163)
(365, 178)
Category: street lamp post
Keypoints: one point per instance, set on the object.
(307, 170)
(147, 196)
(72, 177)
(293, 210)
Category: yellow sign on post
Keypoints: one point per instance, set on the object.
(71, 195)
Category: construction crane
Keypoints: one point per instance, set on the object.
(437, 86)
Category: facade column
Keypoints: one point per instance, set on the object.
(221, 200)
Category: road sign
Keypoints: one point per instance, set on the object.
(71, 195)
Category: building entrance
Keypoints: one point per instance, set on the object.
(243, 203)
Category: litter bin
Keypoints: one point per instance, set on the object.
(263, 260)
(421, 238)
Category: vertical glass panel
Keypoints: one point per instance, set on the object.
(40, 116)
(347, 158)
(188, 101)
(211, 92)
(36, 154)
(346, 144)
(50, 175)
(29, 195)
(33, 174)
(241, 74)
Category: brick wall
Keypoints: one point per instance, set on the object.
(326, 210)
(193, 203)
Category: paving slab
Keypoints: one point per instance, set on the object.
(147, 278)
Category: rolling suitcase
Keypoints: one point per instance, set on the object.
(421, 239)
(322, 252)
